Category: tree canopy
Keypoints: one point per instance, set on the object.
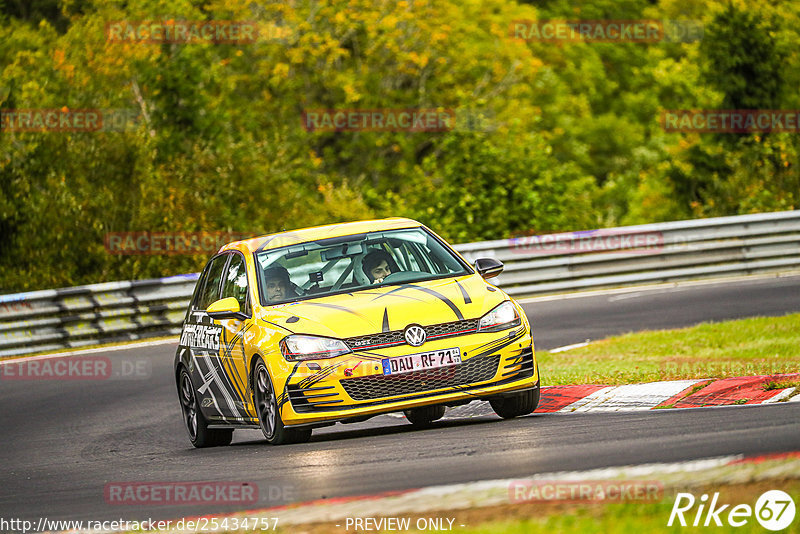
(548, 136)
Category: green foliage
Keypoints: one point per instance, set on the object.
(564, 136)
(744, 61)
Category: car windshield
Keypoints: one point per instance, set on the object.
(354, 262)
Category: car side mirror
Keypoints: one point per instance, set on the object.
(488, 267)
(227, 308)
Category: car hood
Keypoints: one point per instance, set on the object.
(383, 309)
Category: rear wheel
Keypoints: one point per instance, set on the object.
(197, 426)
(269, 417)
(424, 416)
(522, 403)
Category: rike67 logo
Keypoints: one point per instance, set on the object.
(774, 510)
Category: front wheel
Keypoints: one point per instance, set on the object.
(521, 403)
(424, 416)
(197, 426)
(269, 417)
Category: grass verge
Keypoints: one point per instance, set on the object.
(757, 346)
(589, 517)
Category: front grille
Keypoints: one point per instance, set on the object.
(384, 339)
(395, 337)
(478, 369)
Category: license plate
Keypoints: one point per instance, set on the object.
(421, 361)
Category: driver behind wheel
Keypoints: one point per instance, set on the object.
(278, 285)
(377, 265)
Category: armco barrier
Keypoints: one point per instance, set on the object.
(88, 315)
(631, 255)
(681, 250)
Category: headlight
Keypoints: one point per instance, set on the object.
(501, 317)
(298, 347)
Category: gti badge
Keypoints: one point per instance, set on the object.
(415, 335)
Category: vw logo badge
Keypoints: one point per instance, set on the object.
(415, 335)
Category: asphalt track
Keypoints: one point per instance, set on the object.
(63, 441)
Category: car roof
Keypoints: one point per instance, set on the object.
(303, 235)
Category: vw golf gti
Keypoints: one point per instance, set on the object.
(303, 329)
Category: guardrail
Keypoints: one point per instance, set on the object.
(87, 315)
(534, 265)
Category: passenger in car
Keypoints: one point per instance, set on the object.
(377, 265)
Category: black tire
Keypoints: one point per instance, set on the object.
(194, 421)
(522, 403)
(269, 417)
(424, 416)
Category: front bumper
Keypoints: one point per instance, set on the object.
(335, 393)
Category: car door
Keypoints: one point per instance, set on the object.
(202, 337)
(232, 346)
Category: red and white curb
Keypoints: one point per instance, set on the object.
(694, 393)
(627, 397)
(668, 394)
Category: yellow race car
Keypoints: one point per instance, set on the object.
(302, 329)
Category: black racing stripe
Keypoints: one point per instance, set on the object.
(284, 396)
(228, 369)
(319, 376)
(239, 335)
(294, 370)
(276, 325)
(218, 390)
(502, 343)
(400, 296)
(430, 292)
(221, 359)
(467, 300)
(489, 343)
(336, 307)
(516, 360)
(229, 382)
(283, 399)
(385, 327)
(439, 296)
(316, 377)
(393, 291)
(241, 381)
(370, 356)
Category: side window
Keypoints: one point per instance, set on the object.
(210, 291)
(235, 284)
(198, 291)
